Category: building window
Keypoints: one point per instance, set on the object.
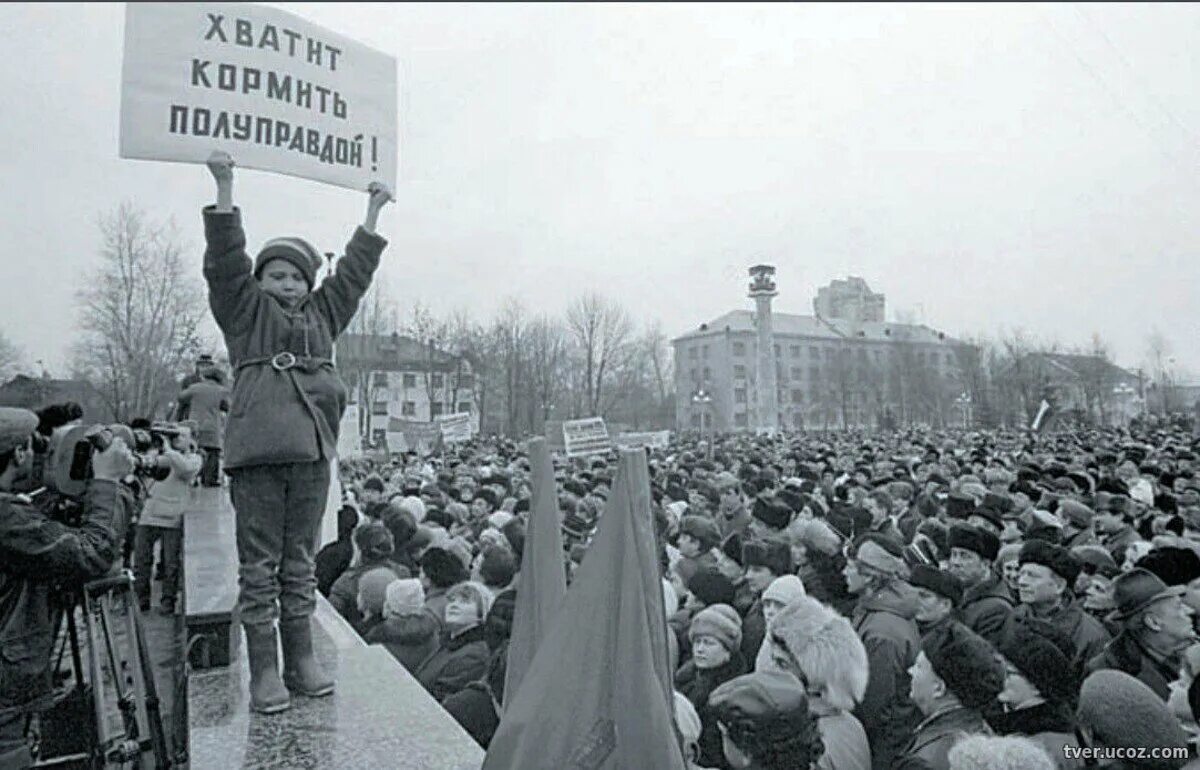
(379, 408)
(408, 409)
(920, 359)
(777, 353)
(797, 372)
(828, 354)
(814, 351)
(739, 419)
(379, 437)
(814, 372)
(795, 351)
(694, 378)
(739, 372)
(797, 397)
(739, 395)
(465, 406)
(410, 380)
(704, 351)
(380, 379)
(436, 380)
(693, 354)
(435, 408)
(739, 348)
(878, 356)
(707, 374)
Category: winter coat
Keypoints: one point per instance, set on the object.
(884, 622)
(472, 707)
(170, 497)
(411, 639)
(292, 415)
(1087, 634)
(37, 554)
(459, 660)
(846, 746)
(754, 630)
(987, 609)
(1126, 653)
(343, 595)
(206, 403)
(1046, 724)
(696, 684)
(436, 601)
(936, 735)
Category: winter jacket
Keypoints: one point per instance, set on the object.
(754, 630)
(459, 660)
(987, 609)
(1048, 725)
(411, 639)
(206, 403)
(696, 684)
(884, 622)
(36, 555)
(1087, 634)
(282, 415)
(170, 497)
(846, 746)
(473, 708)
(936, 735)
(1126, 653)
(343, 595)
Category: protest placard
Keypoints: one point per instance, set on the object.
(456, 428)
(276, 92)
(586, 437)
(658, 439)
(417, 436)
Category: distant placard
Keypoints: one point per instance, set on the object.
(586, 437)
(659, 439)
(276, 92)
(456, 428)
(415, 436)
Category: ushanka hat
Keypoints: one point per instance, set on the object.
(296, 251)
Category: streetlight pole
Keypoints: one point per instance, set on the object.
(703, 399)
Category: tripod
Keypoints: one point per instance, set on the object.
(127, 721)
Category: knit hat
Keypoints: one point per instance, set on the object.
(404, 597)
(415, 506)
(1042, 654)
(721, 622)
(477, 593)
(991, 752)
(711, 586)
(772, 554)
(703, 529)
(880, 553)
(1057, 559)
(784, 589)
(1123, 711)
(373, 541)
(941, 583)
(372, 589)
(825, 648)
(295, 251)
(974, 539)
(967, 663)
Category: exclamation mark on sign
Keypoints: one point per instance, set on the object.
(374, 153)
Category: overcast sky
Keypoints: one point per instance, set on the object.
(986, 167)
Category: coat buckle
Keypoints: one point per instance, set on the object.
(281, 362)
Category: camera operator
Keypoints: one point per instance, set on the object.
(37, 556)
(161, 516)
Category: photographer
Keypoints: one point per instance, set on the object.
(37, 556)
(160, 519)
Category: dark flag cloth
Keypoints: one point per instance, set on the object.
(543, 581)
(598, 694)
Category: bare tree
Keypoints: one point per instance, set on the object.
(12, 358)
(376, 316)
(602, 330)
(547, 348)
(509, 331)
(140, 315)
(432, 334)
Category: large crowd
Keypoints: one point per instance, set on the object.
(964, 600)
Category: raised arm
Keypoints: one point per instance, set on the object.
(233, 294)
(339, 295)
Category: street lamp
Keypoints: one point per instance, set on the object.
(702, 398)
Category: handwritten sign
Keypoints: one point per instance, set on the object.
(586, 437)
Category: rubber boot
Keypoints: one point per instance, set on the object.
(301, 672)
(267, 693)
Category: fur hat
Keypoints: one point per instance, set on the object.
(772, 554)
(990, 752)
(404, 597)
(721, 622)
(442, 567)
(1123, 711)
(974, 539)
(967, 663)
(941, 583)
(1175, 566)
(1042, 654)
(817, 535)
(1056, 558)
(711, 586)
(772, 512)
(295, 251)
(703, 529)
(825, 648)
(1096, 558)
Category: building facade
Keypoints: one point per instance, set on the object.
(849, 370)
(393, 376)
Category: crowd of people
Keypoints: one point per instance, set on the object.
(918, 599)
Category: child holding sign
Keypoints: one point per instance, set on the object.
(287, 404)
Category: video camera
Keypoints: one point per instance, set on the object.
(71, 466)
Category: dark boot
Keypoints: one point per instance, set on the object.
(301, 672)
(267, 693)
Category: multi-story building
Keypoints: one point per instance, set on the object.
(393, 376)
(850, 368)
